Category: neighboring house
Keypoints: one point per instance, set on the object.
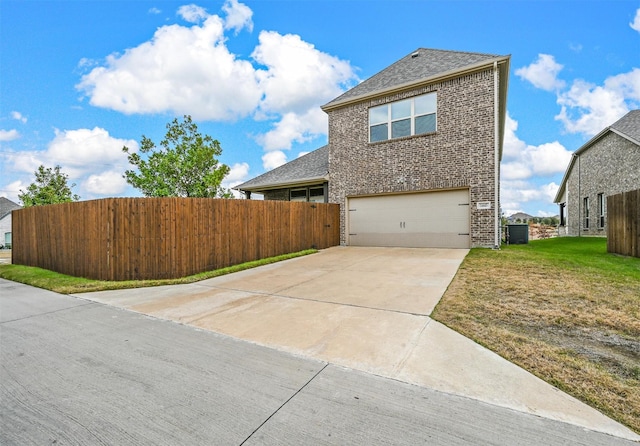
(6, 206)
(414, 154)
(608, 164)
(519, 217)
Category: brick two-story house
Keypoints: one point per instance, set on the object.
(413, 156)
(608, 164)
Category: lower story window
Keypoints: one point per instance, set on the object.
(316, 194)
(585, 212)
(298, 195)
(600, 211)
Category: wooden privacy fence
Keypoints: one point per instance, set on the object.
(162, 238)
(623, 223)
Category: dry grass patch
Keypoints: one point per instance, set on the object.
(564, 309)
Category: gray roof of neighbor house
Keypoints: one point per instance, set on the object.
(420, 66)
(307, 169)
(628, 127)
(6, 206)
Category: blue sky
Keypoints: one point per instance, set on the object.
(80, 79)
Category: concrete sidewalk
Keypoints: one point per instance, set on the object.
(366, 309)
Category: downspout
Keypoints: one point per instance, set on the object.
(580, 220)
(496, 151)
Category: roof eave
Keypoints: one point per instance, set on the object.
(415, 84)
(272, 186)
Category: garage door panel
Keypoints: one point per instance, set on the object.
(434, 219)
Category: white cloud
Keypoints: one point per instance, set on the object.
(19, 117)
(192, 13)
(85, 150)
(190, 70)
(90, 157)
(271, 160)
(181, 70)
(238, 16)
(514, 193)
(154, 10)
(636, 21)
(9, 135)
(12, 190)
(298, 76)
(588, 108)
(522, 161)
(105, 184)
(543, 73)
(523, 167)
(295, 127)
(238, 174)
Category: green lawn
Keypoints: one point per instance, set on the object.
(562, 308)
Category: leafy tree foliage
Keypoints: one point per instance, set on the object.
(185, 164)
(50, 187)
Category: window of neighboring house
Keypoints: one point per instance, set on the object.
(316, 194)
(298, 195)
(585, 212)
(600, 211)
(414, 116)
(563, 218)
(7, 240)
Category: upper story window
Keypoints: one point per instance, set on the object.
(408, 117)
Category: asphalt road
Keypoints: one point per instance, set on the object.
(79, 372)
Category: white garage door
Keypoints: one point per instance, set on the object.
(419, 220)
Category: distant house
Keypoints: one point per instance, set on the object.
(519, 217)
(607, 164)
(6, 206)
(414, 154)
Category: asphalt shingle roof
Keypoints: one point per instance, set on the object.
(629, 124)
(422, 63)
(6, 206)
(312, 166)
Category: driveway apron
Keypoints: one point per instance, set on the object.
(363, 308)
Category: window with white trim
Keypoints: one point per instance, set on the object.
(413, 116)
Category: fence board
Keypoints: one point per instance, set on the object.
(623, 223)
(159, 238)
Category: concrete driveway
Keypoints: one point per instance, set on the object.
(366, 309)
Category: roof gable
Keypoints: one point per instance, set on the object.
(627, 127)
(6, 206)
(314, 166)
(419, 65)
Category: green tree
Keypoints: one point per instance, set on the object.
(185, 164)
(50, 187)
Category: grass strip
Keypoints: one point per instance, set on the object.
(64, 284)
(563, 309)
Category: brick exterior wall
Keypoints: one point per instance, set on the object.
(460, 154)
(610, 166)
